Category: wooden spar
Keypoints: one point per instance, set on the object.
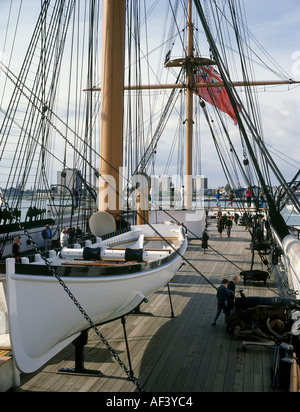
(189, 115)
(204, 85)
(111, 130)
(112, 98)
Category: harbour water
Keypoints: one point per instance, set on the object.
(292, 218)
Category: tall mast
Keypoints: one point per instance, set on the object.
(112, 103)
(189, 112)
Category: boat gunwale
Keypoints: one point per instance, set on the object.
(64, 271)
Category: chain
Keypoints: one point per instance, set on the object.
(10, 77)
(76, 303)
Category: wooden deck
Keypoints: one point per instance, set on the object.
(181, 354)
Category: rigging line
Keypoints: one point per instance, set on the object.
(175, 21)
(42, 63)
(33, 138)
(294, 184)
(140, 215)
(152, 227)
(274, 150)
(234, 99)
(159, 130)
(228, 47)
(70, 82)
(148, 72)
(213, 285)
(219, 253)
(280, 75)
(10, 76)
(227, 174)
(25, 69)
(133, 35)
(265, 165)
(171, 152)
(221, 120)
(221, 32)
(22, 87)
(7, 26)
(14, 39)
(250, 94)
(212, 44)
(78, 305)
(43, 176)
(172, 29)
(216, 251)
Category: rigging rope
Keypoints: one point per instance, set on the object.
(278, 221)
(38, 100)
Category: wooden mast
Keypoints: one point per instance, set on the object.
(189, 114)
(112, 98)
(112, 104)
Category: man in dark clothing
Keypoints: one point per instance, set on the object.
(16, 248)
(228, 224)
(236, 218)
(47, 236)
(222, 293)
(205, 238)
(231, 297)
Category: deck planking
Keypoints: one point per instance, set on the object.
(181, 354)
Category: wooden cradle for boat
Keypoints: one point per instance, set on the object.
(42, 317)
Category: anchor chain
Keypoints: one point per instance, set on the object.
(77, 304)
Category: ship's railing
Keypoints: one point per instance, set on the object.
(295, 231)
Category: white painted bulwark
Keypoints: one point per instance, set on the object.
(193, 220)
(291, 248)
(9, 375)
(43, 319)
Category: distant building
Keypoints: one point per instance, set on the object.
(68, 178)
(161, 183)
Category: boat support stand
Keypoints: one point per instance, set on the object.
(127, 346)
(79, 369)
(170, 299)
(79, 344)
(137, 310)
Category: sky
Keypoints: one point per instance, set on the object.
(276, 25)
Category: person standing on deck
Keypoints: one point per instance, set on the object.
(230, 197)
(231, 297)
(78, 234)
(236, 218)
(205, 238)
(261, 200)
(220, 226)
(63, 238)
(47, 236)
(222, 293)
(182, 197)
(228, 224)
(248, 196)
(16, 248)
(218, 197)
